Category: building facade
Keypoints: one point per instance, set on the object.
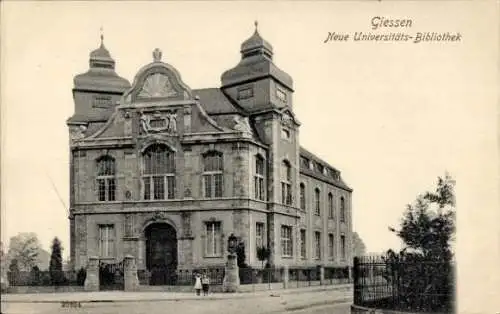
(166, 173)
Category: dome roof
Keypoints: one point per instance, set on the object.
(256, 61)
(256, 45)
(101, 75)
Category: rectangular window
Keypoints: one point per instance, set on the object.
(303, 250)
(317, 245)
(302, 196)
(317, 201)
(259, 178)
(159, 187)
(259, 234)
(330, 246)
(245, 93)
(342, 246)
(213, 239)
(213, 185)
(101, 189)
(106, 240)
(101, 101)
(286, 241)
(331, 207)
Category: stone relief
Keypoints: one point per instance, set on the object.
(77, 132)
(159, 122)
(242, 125)
(157, 85)
(287, 119)
(159, 216)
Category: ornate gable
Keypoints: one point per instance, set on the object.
(288, 118)
(157, 81)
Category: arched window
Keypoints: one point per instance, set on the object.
(286, 183)
(317, 201)
(342, 209)
(331, 208)
(259, 178)
(106, 184)
(302, 196)
(159, 172)
(213, 174)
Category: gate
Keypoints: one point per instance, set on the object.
(111, 276)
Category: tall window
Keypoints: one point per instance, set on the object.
(286, 241)
(317, 202)
(286, 183)
(259, 234)
(213, 239)
(106, 240)
(331, 208)
(342, 246)
(302, 196)
(330, 246)
(212, 174)
(106, 184)
(259, 178)
(159, 173)
(303, 250)
(317, 245)
(342, 209)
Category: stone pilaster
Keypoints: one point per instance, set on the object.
(130, 274)
(322, 275)
(92, 278)
(231, 277)
(286, 276)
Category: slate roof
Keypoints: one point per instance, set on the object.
(307, 154)
(214, 101)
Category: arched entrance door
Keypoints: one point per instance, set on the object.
(161, 253)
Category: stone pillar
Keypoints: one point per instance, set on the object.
(321, 275)
(286, 276)
(232, 276)
(350, 274)
(130, 274)
(92, 278)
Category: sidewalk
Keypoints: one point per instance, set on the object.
(121, 296)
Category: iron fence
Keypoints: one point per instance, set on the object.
(405, 285)
(44, 278)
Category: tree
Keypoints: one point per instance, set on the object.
(24, 248)
(55, 266)
(263, 254)
(424, 266)
(359, 248)
(428, 226)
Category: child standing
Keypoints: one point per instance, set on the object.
(205, 282)
(197, 284)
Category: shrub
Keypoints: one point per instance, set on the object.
(81, 276)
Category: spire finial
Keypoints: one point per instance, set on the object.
(256, 23)
(157, 55)
(102, 36)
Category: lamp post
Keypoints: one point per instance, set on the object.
(231, 275)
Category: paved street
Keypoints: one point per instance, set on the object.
(271, 303)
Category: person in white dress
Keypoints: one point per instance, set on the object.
(197, 284)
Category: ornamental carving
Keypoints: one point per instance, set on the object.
(159, 216)
(77, 132)
(242, 125)
(287, 119)
(157, 85)
(159, 122)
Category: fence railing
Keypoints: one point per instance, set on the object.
(406, 285)
(297, 276)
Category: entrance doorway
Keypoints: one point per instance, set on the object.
(161, 253)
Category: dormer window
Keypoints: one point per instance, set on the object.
(101, 101)
(281, 95)
(245, 93)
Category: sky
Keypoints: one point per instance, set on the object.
(392, 117)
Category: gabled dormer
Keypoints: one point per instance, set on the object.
(256, 83)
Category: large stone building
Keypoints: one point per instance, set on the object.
(166, 173)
